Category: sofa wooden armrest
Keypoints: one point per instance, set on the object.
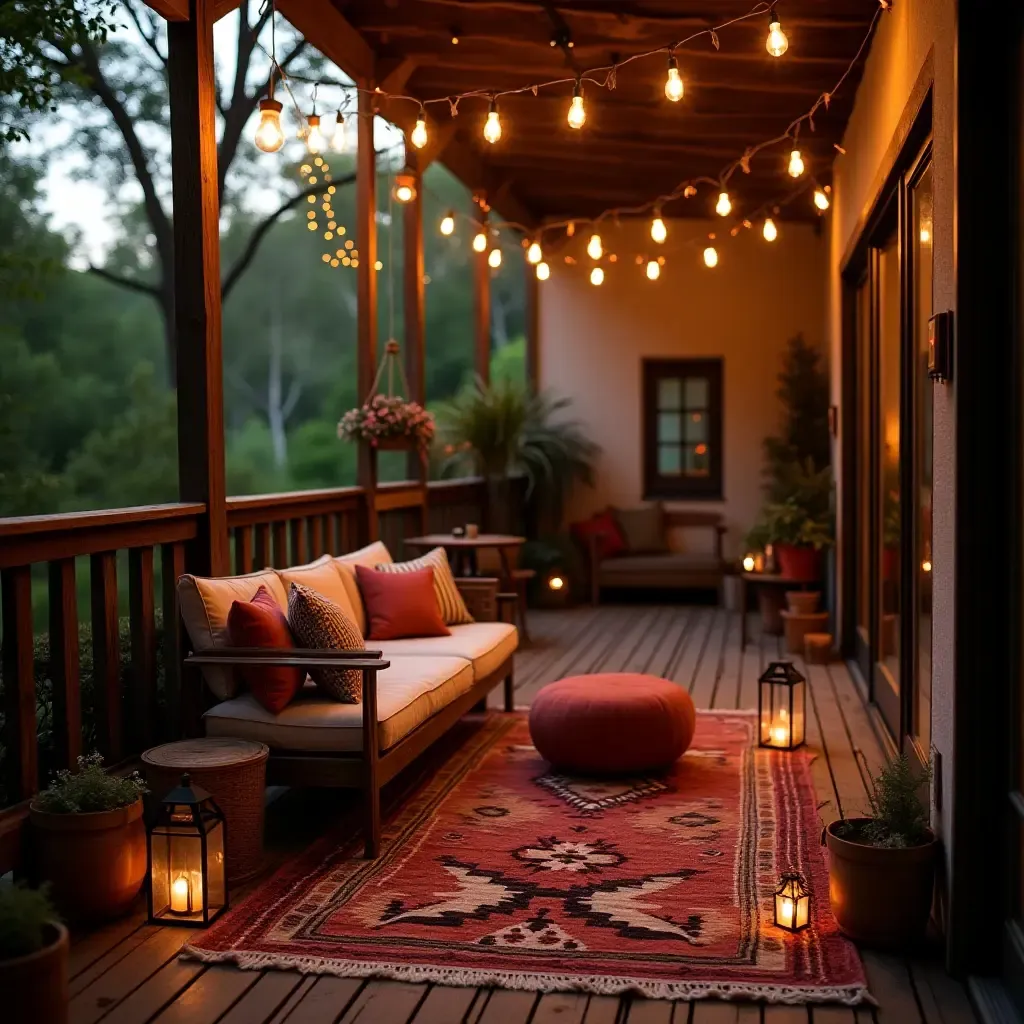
(481, 596)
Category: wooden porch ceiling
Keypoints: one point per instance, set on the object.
(635, 144)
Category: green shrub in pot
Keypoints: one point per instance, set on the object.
(33, 957)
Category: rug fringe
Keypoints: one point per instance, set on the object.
(596, 984)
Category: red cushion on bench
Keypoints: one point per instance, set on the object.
(602, 526)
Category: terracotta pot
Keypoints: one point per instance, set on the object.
(803, 602)
(96, 863)
(798, 562)
(880, 897)
(35, 987)
(797, 626)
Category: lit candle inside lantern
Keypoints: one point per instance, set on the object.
(181, 895)
(748, 563)
(786, 912)
(780, 729)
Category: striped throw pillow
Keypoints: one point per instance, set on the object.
(449, 600)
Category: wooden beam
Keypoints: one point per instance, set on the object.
(192, 86)
(393, 75)
(326, 29)
(222, 8)
(482, 315)
(172, 10)
(414, 305)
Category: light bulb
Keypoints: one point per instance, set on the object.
(492, 126)
(418, 137)
(534, 254)
(724, 205)
(925, 236)
(494, 258)
(597, 276)
(658, 230)
(338, 135)
(796, 164)
(673, 84)
(776, 43)
(710, 256)
(556, 583)
(577, 112)
(594, 247)
(543, 271)
(404, 194)
(653, 270)
(820, 199)
(480, 241)
(405, 187)
(448, 223)
(314, 137)
(770, 231)
(269, 136)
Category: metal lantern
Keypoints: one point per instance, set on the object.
(187, 866)
(781, 703)
(792, 903)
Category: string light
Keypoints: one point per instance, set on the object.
(405, 187)
(597, 276)
(594, 247)
(577, 117)
(269, 136)
(710, 256)
(338, 135)
(418, 136)
(448, 223)
(494, 258)
(820, 199)
(796, 164)
(314, 137)
(480, 241)
(534, 254)
(770, 231)
(492, 126)
(658, 230)
(543, 271)
(673, 84)
(776, 43)
(653, 270)
(724, 205)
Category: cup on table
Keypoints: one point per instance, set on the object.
(472, 531)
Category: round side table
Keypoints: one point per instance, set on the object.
(234, 773)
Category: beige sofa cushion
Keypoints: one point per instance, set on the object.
(408, 693)
(205, 603)
(325, 578)
(371, 556)
(485, 644)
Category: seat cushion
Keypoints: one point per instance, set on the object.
(409, 692)
(453, 609)
(372, 555)
(612, 723)
(670, 563)
(486, 644)
(205, 603)
(325, 578)
(643, 528)
(320, 625)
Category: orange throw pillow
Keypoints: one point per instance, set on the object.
(400, 604)
(261, 623)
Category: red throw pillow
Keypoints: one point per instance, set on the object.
(400, 604)
(261, 623)
(603, 526)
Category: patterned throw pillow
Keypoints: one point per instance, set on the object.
(453, 609)
(319, 624)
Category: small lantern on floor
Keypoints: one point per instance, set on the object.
(792, 903)
(781, 701)
(187, 867)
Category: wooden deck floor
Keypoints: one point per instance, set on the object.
(128, 973)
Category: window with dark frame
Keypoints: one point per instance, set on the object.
(682, 428)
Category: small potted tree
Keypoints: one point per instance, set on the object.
(33, 958)
(881, 869)
(798, 535)
(90, 840)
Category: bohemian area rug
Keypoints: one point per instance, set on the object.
(498, 871)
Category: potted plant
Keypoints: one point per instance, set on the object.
(798, 535)
(90, 840)
(388, 422)
(881, 869)
(33, 958)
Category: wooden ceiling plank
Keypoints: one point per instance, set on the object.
(320, 22)
(393, 74)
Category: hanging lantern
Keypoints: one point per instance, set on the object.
(792, 903)
(187, 869)
(781, 701)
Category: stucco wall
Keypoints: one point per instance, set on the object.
(899, 52)
(592, 341)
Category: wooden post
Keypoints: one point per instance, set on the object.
(482, 312)
(366, 290)
(414, 316)
(192, 86)
(532, 329)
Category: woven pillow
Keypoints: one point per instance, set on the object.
(319, 624)
(453, 609)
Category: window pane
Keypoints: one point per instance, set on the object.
(695, 427)
(696, 460)
(670, 392)
(669, 427)
(669, 460)
(696, 392)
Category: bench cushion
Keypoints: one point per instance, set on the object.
(486, 644)
(671, 563)
(408, 693)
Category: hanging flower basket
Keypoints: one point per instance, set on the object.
(388, 422)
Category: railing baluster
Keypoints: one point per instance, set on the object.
(315, 532)
(298, 531)
(106, 655)
(143, 631)
(64, 667)
(261, 554)
(280, 529)
(243, 549)
(172, 563)
(22, 763)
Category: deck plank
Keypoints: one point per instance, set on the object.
(87, 948)
(603, 1010)
(560, 1008)
(709, 671)
(385, 1002)
(779, 1014)
(445, 1004)
(889, 982)
(158, 991)
(85, 976)
(263, 1000)
(210, 996)
(944, 1001)
(714, 1011)
(506, 1006)
(324, 1001)
(649, 1011)
(834, 1015)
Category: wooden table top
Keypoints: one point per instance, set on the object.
(773, 577)
(483, 540)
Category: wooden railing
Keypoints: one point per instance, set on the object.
(109, 678)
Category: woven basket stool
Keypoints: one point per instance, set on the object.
(234, 773)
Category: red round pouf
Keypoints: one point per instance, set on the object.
(612, 724)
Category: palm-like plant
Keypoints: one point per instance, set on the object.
(504, 429)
